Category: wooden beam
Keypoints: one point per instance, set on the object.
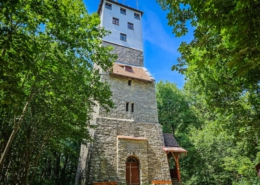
(176, 158)
(161, 182)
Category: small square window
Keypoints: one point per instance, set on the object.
(130, 26)
(137, 16)
(123, 11)
(115, 21)
(122, 36)
(108, 6)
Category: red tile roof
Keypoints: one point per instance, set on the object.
(130, 71)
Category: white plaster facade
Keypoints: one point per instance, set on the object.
(134, 37)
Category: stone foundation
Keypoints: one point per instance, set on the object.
(107, 161)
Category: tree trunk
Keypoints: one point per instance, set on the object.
(16, 128)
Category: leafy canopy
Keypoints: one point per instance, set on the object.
(222, 65)
(48, 82)
(226, 33)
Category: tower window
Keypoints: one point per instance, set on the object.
(132, 107)
(122, 36)
(129, 69)
(129, 82)
(115, 21)
(130, 26)
(108, 6)
(126, 106)
(123, 11)
(137, 16)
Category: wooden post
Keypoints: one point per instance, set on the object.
(176, 158)
(178, 168)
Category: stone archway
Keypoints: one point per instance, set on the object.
(132, 171)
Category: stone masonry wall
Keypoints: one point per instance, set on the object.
(136, 148)
(141, 93)
(127, 55)
(106, 156)
(109, 154)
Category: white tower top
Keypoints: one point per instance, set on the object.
(125, 24)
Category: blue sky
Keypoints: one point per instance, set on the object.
(160, 45)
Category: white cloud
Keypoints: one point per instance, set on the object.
(155, 33)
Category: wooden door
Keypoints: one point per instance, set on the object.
(132, 171)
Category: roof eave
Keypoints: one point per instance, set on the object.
(120, 4)
(131, 77)
(100, 6)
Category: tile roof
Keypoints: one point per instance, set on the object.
(131, 71)
(169, 140)
(171, 144)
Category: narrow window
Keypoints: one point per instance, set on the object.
(130, 26)
(129, 82)
(122, 36)
(137, 16)
(126, 106)
(123, 11)
(108, 6)
(115, 21)
(132, 107)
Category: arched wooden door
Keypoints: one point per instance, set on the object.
(132, 171)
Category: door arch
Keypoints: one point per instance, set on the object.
(132, 171)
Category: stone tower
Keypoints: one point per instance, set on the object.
(128, 141)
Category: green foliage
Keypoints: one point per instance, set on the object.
(222, 65)
(225, 44)
(48, 86)
(173, 109)
(221, 149)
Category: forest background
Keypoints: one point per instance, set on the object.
(216, 115)
(48, 86)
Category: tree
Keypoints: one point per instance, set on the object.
(225, 38)
(226, 148)
(220, 150)
(177, 116)
(223, 30)
(221, 64)
(173, 108)
(48, 84)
